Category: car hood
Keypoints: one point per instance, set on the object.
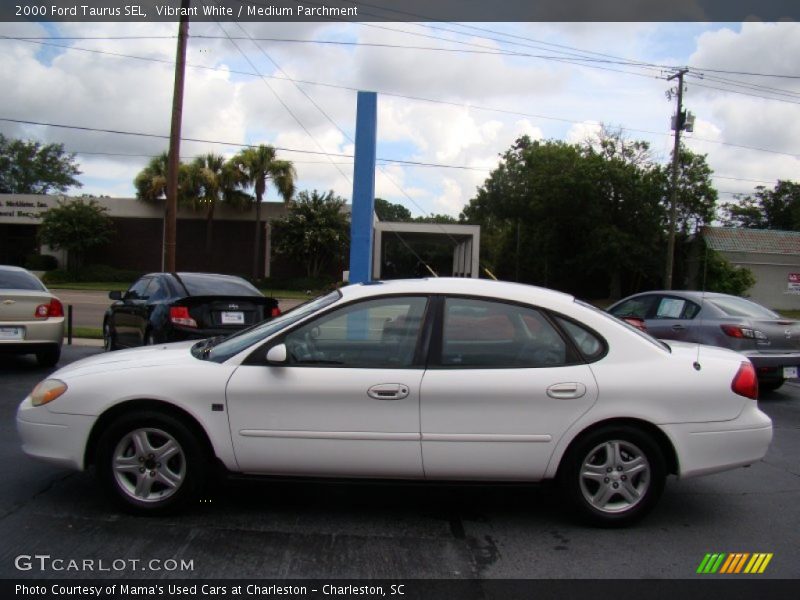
(136, 358)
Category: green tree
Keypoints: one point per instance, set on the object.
(76, 226)
(393, 213)
(315, 232)
(34, 168)
(778, 208)
(258, 166)
(722, 276)
(583, 219)
(697, 197)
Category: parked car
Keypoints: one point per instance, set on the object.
(440, 379)
(31, 318)
(770, 341)
(171, 307)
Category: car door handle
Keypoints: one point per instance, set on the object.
(388, 391)
(678, 328)
(566, 391)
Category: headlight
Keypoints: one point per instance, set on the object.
(47, 391)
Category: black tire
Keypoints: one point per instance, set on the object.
(109, 337)
(49, 357)
(770, 386)
(609, 491)
(149, 338)
(135, 476)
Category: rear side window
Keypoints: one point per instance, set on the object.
(209, 285)
(588, 343)
(20, 280)
(482, 334)
(670, 307)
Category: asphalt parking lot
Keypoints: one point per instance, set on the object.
(322, 530)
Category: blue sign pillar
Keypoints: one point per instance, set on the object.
(361, 220)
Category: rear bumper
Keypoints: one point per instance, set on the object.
(770, 366)
(704, 448)
(36, 335)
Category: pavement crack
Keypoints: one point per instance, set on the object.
(17, 506)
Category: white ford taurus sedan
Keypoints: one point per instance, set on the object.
(439, 379)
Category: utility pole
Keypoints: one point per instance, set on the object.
(171, 209)
(673, 204)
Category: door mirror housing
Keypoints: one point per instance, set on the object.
(277, 355)
(115, 295)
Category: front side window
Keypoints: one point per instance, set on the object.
(379, 333)
(634, 307)
(494, 335)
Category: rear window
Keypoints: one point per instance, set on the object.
(217, 285)
(20, 280)
(739, 307)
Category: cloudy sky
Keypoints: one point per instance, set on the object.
(449, 94)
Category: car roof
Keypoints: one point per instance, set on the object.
(13, 268)
(459, 286)
(691, 294)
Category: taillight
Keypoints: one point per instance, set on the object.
(275, 312)
(746, 383)
(735, 331)
(53, 309)
(179, 315)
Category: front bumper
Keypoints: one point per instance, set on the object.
(53, 437)
(704, 448)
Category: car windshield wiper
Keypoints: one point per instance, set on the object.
(206, 346)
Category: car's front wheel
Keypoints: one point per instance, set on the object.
(151, 463)
(613, 476)
(109, 337)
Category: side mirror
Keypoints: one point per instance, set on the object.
(277, 355)
(115, 295)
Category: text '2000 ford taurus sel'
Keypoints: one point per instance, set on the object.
(441, 379)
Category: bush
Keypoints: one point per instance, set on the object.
(91, 273)
(41, 262)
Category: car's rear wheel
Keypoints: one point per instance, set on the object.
(109, 337)
(613, 476)
(151, 462)
(49, 357)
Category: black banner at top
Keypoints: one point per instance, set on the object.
(137, 11)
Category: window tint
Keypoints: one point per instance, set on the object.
(634, 307)
(375, 334)
(493, 335)
(200, 284)
(138, 291)
(19, 280)
(587, 342)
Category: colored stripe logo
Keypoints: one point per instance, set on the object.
(734, 563)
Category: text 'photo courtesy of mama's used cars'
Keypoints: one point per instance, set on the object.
(770, 341)
(439, 379)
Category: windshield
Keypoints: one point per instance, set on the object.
(639, 332)
(739, 307)
(230, 346)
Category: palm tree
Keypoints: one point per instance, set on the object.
(258, 166)
(151, 182)
(210, 177)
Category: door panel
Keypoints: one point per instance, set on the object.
(498, 423)
(502, 392)
(346, 403)
(323, 421)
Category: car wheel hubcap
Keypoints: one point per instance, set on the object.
(107, 336)
(149, 465)
(615, 476)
